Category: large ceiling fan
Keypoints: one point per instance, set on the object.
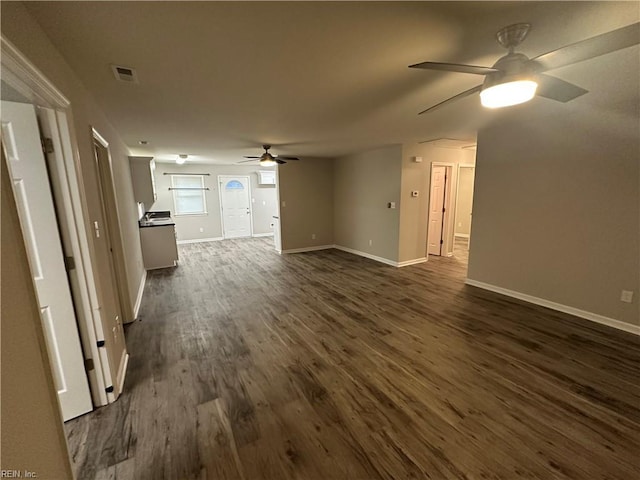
(515, 78)
(268, 160)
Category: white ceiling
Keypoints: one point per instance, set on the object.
(219, 79)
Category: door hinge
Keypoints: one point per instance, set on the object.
(47, 145)
(109, 389)
(443, 209)
(69, 263)
(441, 241)
(100, 343)
(88, 364)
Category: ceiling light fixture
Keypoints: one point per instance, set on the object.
(512, 84)
(181, 158)
(267, 161)
(508, 93)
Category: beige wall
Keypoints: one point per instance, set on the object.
(264, 199)
(414, 213)
(306, 202)
(21, 29)
(32, 434)
(556, 209)
(364, 184)
(464, 203)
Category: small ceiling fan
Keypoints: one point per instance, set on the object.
(515, 78)
(268, 160)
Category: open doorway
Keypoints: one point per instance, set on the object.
(463, 213)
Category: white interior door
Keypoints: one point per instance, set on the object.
(235, 200)
(28, 171)
(436, 207)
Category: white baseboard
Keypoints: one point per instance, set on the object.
(415, 261)
(200, 240)
(386, 261)
(122, 371)
(136, 307)
(307, 249)
(461, 235)
(268, 234)
(367, 255)
(594, 317)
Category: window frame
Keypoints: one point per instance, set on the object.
(175, 191)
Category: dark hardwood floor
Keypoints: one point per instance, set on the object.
(324, 365)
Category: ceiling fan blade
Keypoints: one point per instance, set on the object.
(279, 162)
(556, 89)
(246, 156)
(245, 161)
(591, 47)
(466, 93)
(454, 67)
(287, 158)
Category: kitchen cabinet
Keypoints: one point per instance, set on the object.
(158, 242)
(142, 180)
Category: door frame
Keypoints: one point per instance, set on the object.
(450, 193)
(64, 169)
(112, 220)
(220, 177)
(455, 213)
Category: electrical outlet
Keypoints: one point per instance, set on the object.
(284, 204)
(626, 296)
(201, 230)
(313, 236)
(370, 243)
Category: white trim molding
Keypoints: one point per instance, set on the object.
(136, 307)
(21, 74)
(594, 317)
(122, 371)
(200, 240)
(386, 261)
(366, 255)
(461, 235)
(268, 234)
(308, 249)
(415, 261)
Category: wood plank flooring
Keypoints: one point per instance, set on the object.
(250, 365)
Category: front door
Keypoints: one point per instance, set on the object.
(235, 200)
(28, 170)
(436, 209)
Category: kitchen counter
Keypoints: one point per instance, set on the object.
(159, 249)
(156, 222)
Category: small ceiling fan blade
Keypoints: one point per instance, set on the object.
(556, 89)
(287, 158)
(590, 48)
(466, 93)
(454, 67)
(246, 156)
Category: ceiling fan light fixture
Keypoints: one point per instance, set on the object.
(508, 93)
(181, 158)
(267, 162)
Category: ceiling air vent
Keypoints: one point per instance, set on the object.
(125, 74)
